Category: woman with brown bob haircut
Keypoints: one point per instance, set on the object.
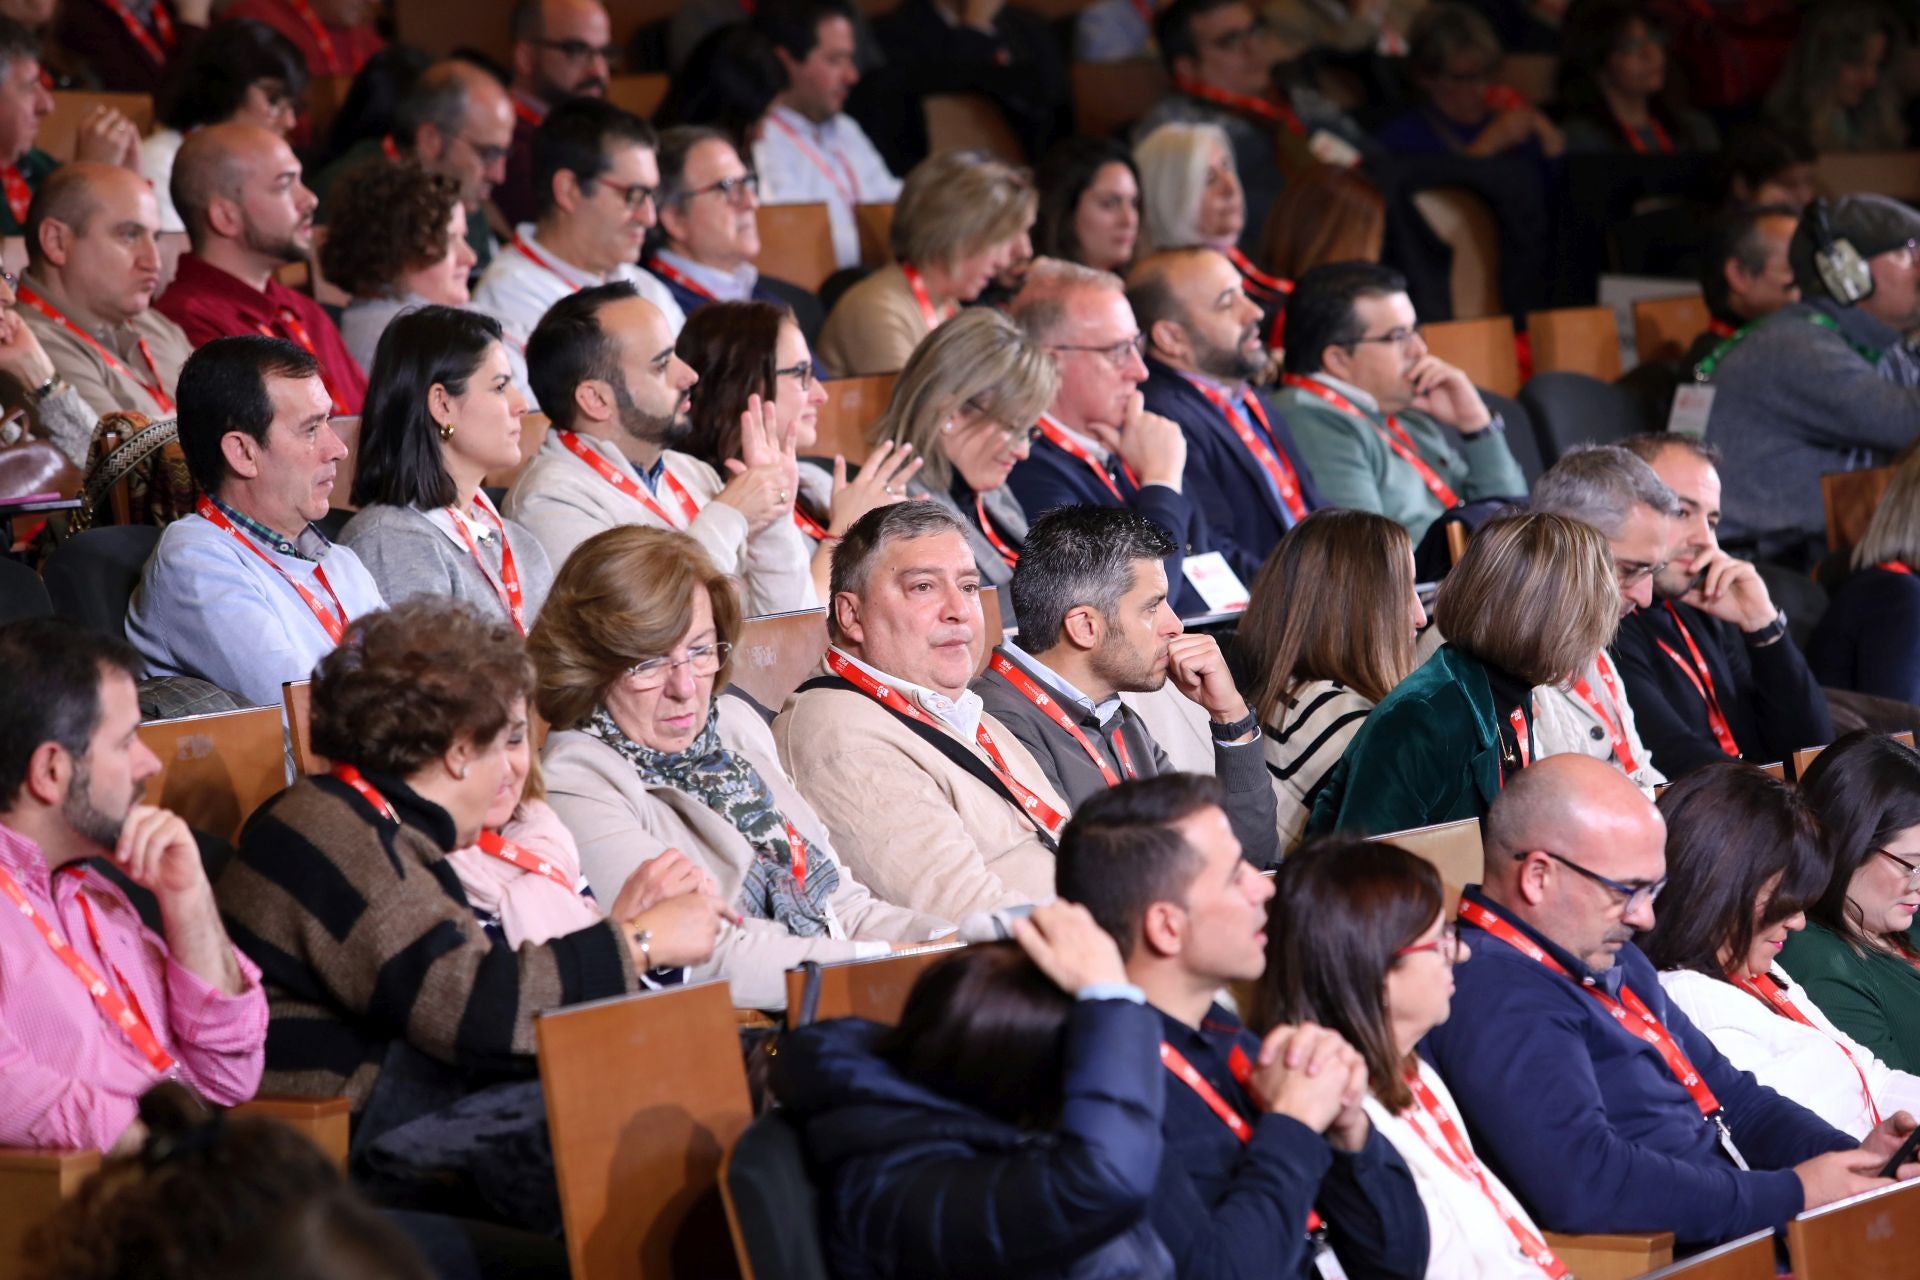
(633, 652)
(1530, 603)
(1328, 632)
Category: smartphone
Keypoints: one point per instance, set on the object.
(1903, 1156)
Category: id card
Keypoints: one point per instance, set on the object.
(1215, 580)
(1692, 406)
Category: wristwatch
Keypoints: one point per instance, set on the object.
(644, 941)
(45, 389)
(1238, 729)
(1769, 634)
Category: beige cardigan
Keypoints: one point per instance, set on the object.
(874, 327)
(908, 821)
(621, 822)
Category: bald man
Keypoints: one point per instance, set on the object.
(561, 49)
(93, 264)
(238, 189)
(1596, 1100)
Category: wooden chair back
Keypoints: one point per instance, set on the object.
(533, 434)
(32, 1185)
(796, 244)
(1464, 222)
(853, 405)
(874, 989)
(216, 769)
(1107, 96)
(645, 1093)
(1453, 848)
(1533, 74)
(296, 696)
(348, 429)
(1886, 173)
(1805, 756)
(325, 96)
(777, 653)
(1483, 348)
(1748, 1258)
(1576, 340)
(1664, 328)
(1612, 1257)
(970, 121)
(1850, 499)
(34, 467)
(1777, 770)
(875, 222)
(61, 127)
(640, 94)
(1874, 1234)
(993, 626)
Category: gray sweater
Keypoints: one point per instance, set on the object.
(409, 555)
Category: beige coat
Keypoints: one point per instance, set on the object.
(621, 822)
(910, 823)
(874, 327)
(105, 388)
(563, 502)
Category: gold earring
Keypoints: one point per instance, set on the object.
(446, 431)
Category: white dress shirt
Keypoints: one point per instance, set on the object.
(725, 286)
(832, 163)
(962, 715)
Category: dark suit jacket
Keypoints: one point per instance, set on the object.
(805, 307)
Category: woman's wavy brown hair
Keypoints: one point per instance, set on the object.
(384, 220)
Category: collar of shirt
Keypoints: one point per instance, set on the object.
(726, 286)
(311, 544)
(1610, 981)
(1103, 712)
(1232, 391)
(649, 476)
(962, 715)
(1085, 441)
(1361, 398)
(821, 133)
(449, 521)
(565, 270)
(25, 859)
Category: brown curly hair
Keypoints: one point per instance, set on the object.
(408, 682)
(384, 220)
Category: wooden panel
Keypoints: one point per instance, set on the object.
(297, 697)
(1576, 340)
(775, 654)
(1532, 74)
(639, 94)
(60, 127)
(1483, 348)
(796, 243)
(874, 989)
(441, 28)
(852, 406)
(322, 1121)
(1851, 498)
(644, 1095)
(993, 629)
(876, 233)
(1804, 757)
(1612, 1257)
(1110, 95)
(325, 94)
(1778, 769)
(348, 429)
(533, 434)
(215, 770)
(1904, 738)
(1455, 850)
(1748, 1258)
(1875, 1234)
(969, 121)
(1463, 220)
(1887, 173)
(1664, 328)
(32, 1185)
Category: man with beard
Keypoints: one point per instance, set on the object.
(1090, 595)
(1565, 1054)
(562, 49)
(96, 1008)
(602, 364)
(238, 189)
(1203, 345)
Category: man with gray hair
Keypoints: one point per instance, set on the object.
(931, 802)
(1090, 594)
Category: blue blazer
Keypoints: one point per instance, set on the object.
(1244, 516)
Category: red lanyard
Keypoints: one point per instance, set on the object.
(1702, 680)
(527, 251)
(921, 296)
(390, 149)
(298, 332)
(628, 485)
(1767, 990)
(1661, 141)
(682, 279)
(1523, 741)
(1720, 328)
(526, 113)
(1894, 566)
(156, 49)
(323, 42)
(1450, 1145)
(799, 849)
(1393, 435)
(850, 189)
(1266, 289)
(19, 194)
(332, 621)
(1242, 1070)
(122, 1013)
(1038, 810)
(1007, 553)
(1270, 110)
(1057, 434)
(1050, 707)
(155, 388)
(509, 585)
(1285, 480)
(1616, 724)
(809, 526)
(491, 843)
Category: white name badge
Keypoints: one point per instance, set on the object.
(1692, 406)
(1215, 580)
(1333, 150)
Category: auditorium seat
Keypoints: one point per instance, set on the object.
(1886, 173)
(216, 769)
(1523, 440)
(1873, 1234)
(852, 405)
(348, 429)
(1575, 340)
(91, 577)
(1748, 1258)
(1483, 349)
(1454, 849)
(1850, 499)
(1571, 409)
(22, 594)
(61, 126)
(533, 434)
(1464, 222)
(296, 696)
(772, 1206)
(876, 233)
(873, 989)
(1805, 756)
(1612, 1257)
(796, 244)
(994, 630)
(970, 121)
(640, 94)
(1664, 328)
(1109, 96)
(776, 653)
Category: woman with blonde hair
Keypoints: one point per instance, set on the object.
(1839, 87)
(962, 218)
(1328, 633)
(1530, 603)
(967, 404)
(1869, 638)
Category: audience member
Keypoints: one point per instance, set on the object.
(1452, 56)
(104, 136)
(335, 36)
(1375, 412)
(1113, 31)
(369, 110)
(246, 593)
(1090, 596)
(562, 49)
(1826, 384)
(116, 49)
(1856, 958)
(1711, 669)
(1360, 941)
(66, 420)
(890, 739)
(1327, 634)
(80, 1049)
(709, 232)
(966, 405)
(1841, 85)
(1304, 27)
(1614, 92)
(602, 364)
(810, 150)
(1766, 163)
(961, 218)
(1324, 215)
(1745, 274)
(1089, 204)
(1012, 1118)
(1530, 604)
(1266, 1134)
(728, 82)
(442, 414)
(239, 71)
(1555, 990)
(238, 189)
(1869, 638)
(1204, 347)
(596, 176)
(1743, 862)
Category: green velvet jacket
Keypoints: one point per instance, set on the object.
(1872, 996)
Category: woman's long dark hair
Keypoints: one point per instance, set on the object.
(1062, 178)
(1589, 34)
(211, 82)
(1865, 789)
(400, 461)
(734, 348)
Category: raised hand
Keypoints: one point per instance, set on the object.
(1199, 670)
(766, 476)
(1069, 947)
(106, 136)
(1153, 446)
(1447, 393)
(654, 881)
(1731, 590)
(882, 482)
(21, 353)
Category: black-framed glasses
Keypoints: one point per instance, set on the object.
(801, 373)
(1634, 895)
(1014, 433)
(489, 154)
(705, 659)
(1911, 868)
(1398, 337)
(733, 190)
(1629, 573)
(580, 50)
(1115, 353)
(1446, 946)
(1237, 39)
(633, 193)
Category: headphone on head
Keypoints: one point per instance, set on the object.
(1842, 270)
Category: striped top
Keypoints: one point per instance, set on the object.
(1304, 744)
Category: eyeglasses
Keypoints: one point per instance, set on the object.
(733, 190)
(489, 154)
(634, 194)
(1631, 572)
(1239, 38)
(1015, 434)
(1399, 337)
(580, 50)
(705, 659)
(1635, 895)
(1911, 868)
(1446, 946)
(801, 373)
(1117, 354)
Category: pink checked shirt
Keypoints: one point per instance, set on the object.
(69, 1078)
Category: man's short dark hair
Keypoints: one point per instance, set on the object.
(439, 98)
(676, 145)
(576, 137)
(568, 347)
(1758, 152)
(1320, 312)
(1173, 28)
(223, 387)
(1735, 237)
(1120, 853)
(1083, 555)
(794, 25)
(16, 42)
(50, 691)
(854, 556)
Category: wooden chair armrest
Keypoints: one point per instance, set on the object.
(32, 1185)
(1613, 1257)
(323, 1120)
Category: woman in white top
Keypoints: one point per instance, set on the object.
(1328, 631)
(1359, 939)
(1744, 859)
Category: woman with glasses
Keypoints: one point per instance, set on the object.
(1360, 940)
(1743, 862)
(966, 405)
(752, 360)
(646, 756)
(1614, 91)
(1857, 958)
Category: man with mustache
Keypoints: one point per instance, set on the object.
(1565, 1054)
(246, 592)
(603, 365)
(1204, 344)
(180, 999)
(93, 261)
(238, 189)
(562, 49)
